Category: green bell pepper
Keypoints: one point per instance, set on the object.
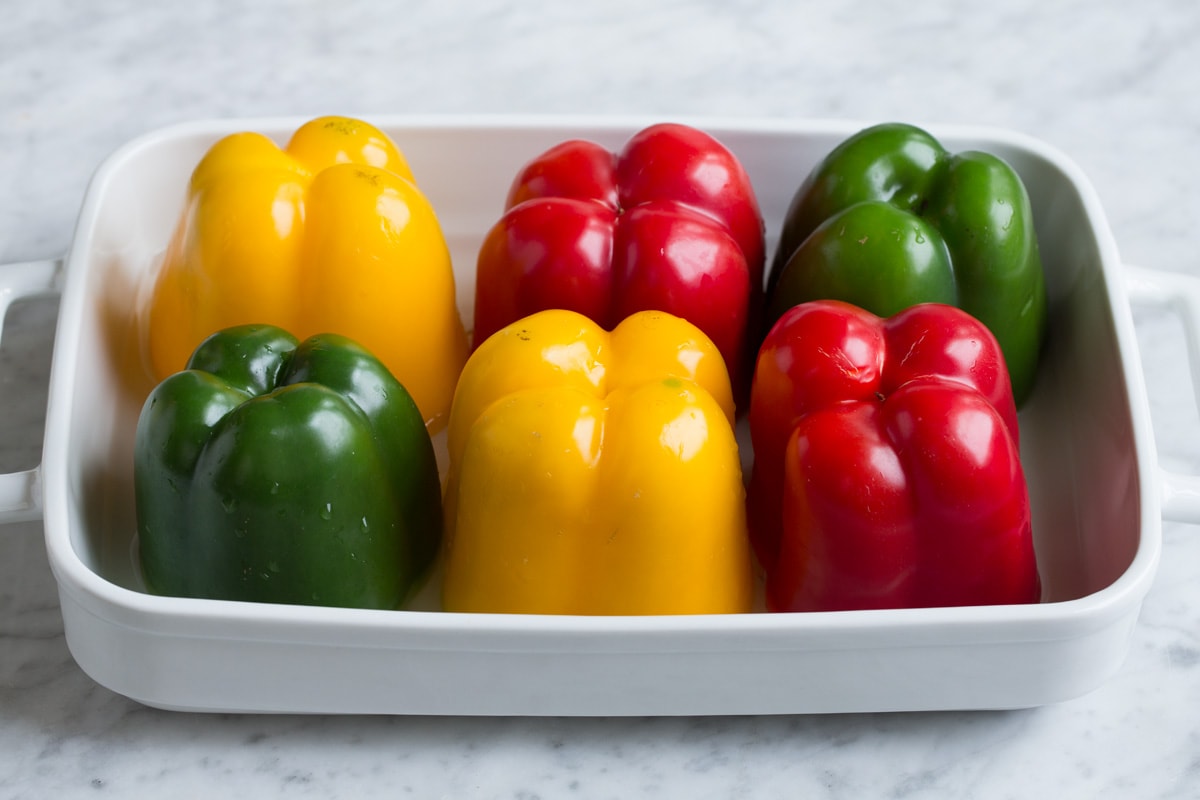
(890, 219)
(274, 471)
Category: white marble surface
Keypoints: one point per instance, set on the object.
(1111, 83)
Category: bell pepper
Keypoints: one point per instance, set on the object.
(329, 234)
(886, 465)
(890, 218)
(669, 223)
(281, 472)
(595, 472)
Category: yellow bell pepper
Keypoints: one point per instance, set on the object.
(328, 235)
(595, 473)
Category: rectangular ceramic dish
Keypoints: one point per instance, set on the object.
(1086, 438)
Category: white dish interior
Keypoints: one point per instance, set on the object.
(1086, 445)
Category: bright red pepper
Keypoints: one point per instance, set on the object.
(887, 472)
(670, 223)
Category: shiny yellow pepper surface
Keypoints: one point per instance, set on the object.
(595, 473)
(327, 235)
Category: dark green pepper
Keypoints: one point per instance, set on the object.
(890, 219)
(281, 472)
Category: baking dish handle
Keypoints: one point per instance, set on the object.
(20, 492)
(1180, 294)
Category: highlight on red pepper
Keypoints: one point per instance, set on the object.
(886, 465)
(669, 223)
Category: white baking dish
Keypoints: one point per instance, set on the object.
(1096, 488)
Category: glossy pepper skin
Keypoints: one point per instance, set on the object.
(886, 470)
(329, 234)
(670, 222)
(280, 472)
(595, 473)
(890, 219)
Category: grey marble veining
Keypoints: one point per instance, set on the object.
(1110, 83)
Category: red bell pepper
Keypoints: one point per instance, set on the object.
(670, 223)
(886, 465)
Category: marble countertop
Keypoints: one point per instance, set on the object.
(1110, 83)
